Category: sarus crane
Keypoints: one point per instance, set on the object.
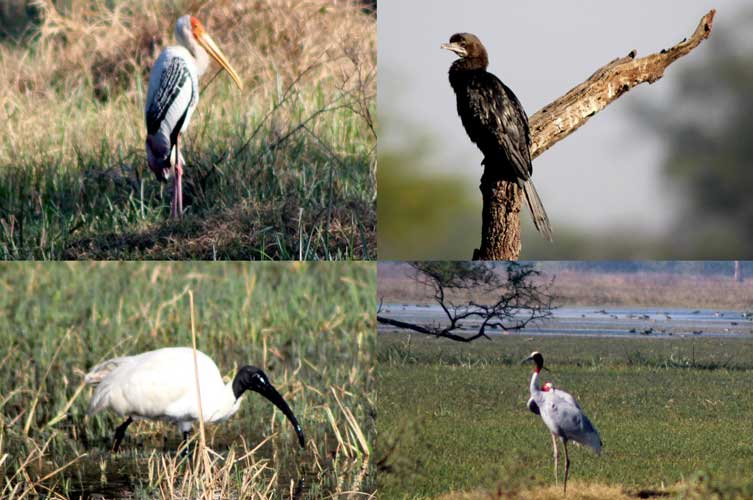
(562, 415)
(160, 385)
(172, 97)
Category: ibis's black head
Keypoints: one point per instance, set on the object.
(537, 358)
(254, 379)
(470, 50)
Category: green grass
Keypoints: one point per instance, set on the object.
(310, 326)
(666, 410)
(281, 170)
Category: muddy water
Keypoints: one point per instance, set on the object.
(596, 321)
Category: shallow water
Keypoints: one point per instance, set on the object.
(594, 321)
(124, 473)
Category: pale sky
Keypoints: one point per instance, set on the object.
(605, 174)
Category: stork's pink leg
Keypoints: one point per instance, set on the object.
(177, 211)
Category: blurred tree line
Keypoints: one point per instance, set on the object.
(705, 127)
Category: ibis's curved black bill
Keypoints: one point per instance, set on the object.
(254, 379)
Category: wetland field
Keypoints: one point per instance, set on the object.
(309, 326)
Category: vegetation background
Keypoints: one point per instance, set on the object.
(310, 326)
(284, 169)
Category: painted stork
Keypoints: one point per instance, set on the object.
(160, 385)
(172, 97)
(562, 415)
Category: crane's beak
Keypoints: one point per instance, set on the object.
(456, 48)
(213, 50)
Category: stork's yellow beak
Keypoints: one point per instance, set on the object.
(213, 50)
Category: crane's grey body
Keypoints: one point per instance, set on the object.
(562, 415)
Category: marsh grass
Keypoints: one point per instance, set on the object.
(282, 170)
(671, 412)
(309, 325)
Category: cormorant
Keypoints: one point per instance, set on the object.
(494, 120)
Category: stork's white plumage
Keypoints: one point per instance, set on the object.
(562, 415)
(172, 97)
(161, 385)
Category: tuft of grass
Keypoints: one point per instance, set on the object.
(284, 169)
(453, 418)
(309, 325)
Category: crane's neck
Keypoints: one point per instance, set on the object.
(534, 387)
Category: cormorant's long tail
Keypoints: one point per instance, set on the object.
(540, 219)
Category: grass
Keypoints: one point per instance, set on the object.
(673, 415)
(282, 170)
(310, 326)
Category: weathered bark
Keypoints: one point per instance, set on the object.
(500, 238)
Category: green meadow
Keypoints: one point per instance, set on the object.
(674, 416)
(309, 326)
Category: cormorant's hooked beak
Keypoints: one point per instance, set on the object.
(254, 379)
(213, 50)
(456, 48)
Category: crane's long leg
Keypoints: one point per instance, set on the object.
(556, 456)
(120, 433)
(567, 464)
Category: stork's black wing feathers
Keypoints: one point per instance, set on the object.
(173, 78)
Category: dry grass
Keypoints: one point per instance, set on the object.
(576, 490)
(605, 289)
(301, 133)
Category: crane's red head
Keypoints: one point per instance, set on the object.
(547, 387)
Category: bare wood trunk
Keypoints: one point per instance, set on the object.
(738, 272)
(500, 223)
(500, 236)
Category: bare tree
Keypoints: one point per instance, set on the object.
(518, 297)
(500, 238)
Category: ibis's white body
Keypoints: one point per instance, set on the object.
(161, 385)
(563, 416)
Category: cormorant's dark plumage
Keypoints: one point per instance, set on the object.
(494, 120)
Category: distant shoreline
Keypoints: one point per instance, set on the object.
(605, 290)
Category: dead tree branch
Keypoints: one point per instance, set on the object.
(500, 239)
(518, 299)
